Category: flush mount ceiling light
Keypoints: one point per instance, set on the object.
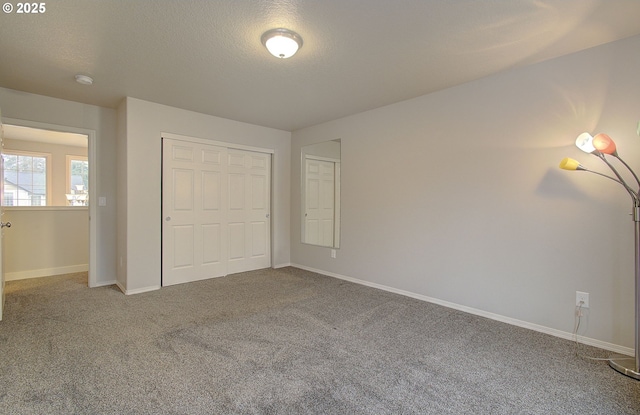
(281, 43)
(84, 79)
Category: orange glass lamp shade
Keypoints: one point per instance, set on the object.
(604, 144)
(585, 143)
(570, 164)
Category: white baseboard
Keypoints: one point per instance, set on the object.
(138, 290)
(103, 284)
(45, 272)
(288, 264)
(515, 322)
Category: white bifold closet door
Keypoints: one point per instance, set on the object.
(215, 211)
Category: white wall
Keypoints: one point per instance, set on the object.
(456, 196)
(41, 109)
(144, 122)
(45, 241)
(121, 176)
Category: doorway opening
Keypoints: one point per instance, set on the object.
(49, 195)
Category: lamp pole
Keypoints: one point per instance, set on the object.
(624, 364)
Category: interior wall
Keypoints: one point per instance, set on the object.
(47, 241)
(457, 196)
(37, 108)
(121, 176)
(140, 265)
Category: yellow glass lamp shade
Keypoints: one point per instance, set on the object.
(604, 144)
(570, 164)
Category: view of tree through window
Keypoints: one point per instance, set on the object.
(25, 180)
(78, 171)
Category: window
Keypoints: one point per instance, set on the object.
(77, 180)
(26, 178)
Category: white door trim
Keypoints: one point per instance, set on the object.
(216, 143)
(320, 158)
(93, 173)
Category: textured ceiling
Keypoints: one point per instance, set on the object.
(206, 56)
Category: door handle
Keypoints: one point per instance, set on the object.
(5, 224)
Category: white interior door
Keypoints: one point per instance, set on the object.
(249, 210)
(193, 210)
(1, 219)
(337, 204)
(319, 202)
(215, 210)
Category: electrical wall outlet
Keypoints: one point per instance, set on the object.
(333, 253)
(584, 297)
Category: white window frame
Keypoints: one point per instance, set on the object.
(47, 157)
(70, 158)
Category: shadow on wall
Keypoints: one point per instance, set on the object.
(557, 185)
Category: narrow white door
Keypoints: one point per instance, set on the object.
(2, 224)
(249, 207)
(193, 212)
(319, 202)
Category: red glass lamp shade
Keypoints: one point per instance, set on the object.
(604, 144)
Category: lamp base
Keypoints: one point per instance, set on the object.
(625, 365)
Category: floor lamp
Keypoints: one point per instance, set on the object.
(601, 146)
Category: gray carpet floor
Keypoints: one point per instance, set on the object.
(282, 341)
